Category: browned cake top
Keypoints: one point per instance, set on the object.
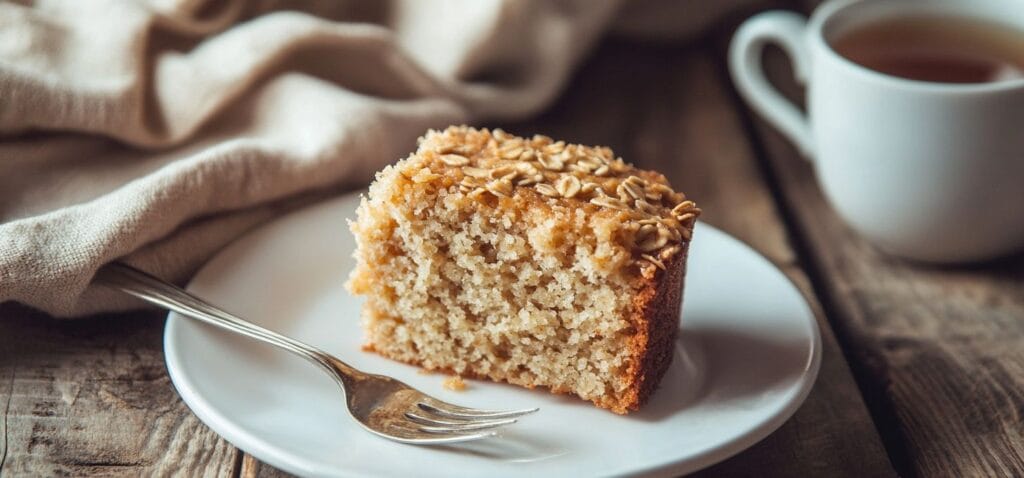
(494, 164)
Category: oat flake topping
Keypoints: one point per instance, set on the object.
(486, 162)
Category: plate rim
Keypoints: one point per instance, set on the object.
(260, 448)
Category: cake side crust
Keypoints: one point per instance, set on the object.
(656, 314)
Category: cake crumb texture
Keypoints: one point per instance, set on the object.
(524, 260)
(455, 383)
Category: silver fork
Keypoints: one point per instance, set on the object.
(381, 404)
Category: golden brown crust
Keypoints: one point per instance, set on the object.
(656, 318)
(495, 166)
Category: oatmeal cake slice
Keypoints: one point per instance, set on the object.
(528, 261)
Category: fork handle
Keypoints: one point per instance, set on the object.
(169, 296)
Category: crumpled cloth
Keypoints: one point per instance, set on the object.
(157, 131)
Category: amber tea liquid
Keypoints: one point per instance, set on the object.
(936, 49)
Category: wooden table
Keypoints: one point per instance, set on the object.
(923, 370)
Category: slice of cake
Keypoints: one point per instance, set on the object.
(527, 261)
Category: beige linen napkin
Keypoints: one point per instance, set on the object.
(158, 131)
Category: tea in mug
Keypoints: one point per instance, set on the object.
(936, 49)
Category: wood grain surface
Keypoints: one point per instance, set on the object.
(91, 397)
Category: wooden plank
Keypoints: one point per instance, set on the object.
(253, 468)
(91, 397)
(937, 350)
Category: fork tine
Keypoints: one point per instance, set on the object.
(459, 431)
(448, 410)
(444, 438)
(421, 436)
(461, 425)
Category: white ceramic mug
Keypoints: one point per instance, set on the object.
(929, 171)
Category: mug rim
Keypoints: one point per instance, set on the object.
(829, 10)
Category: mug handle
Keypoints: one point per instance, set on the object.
(786, 29)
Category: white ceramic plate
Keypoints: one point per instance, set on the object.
(748, 354)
